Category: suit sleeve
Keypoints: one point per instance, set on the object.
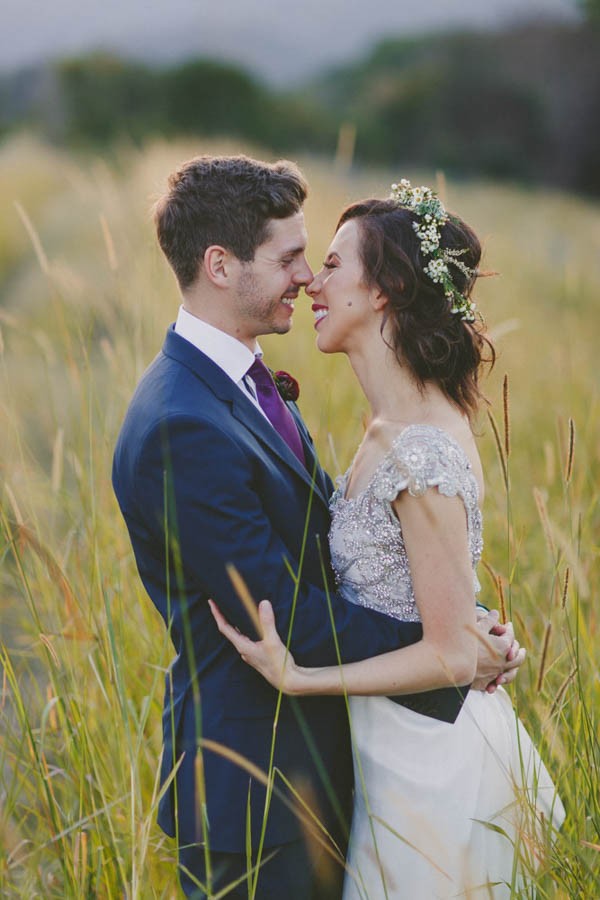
(200, 481)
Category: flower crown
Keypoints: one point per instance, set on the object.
(426, 204)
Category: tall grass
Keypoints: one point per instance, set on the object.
(85, 298)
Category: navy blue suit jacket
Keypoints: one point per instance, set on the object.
(203, 480)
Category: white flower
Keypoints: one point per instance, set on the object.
(425, 203)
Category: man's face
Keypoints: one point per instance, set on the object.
(268, 286)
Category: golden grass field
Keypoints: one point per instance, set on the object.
(85, 298)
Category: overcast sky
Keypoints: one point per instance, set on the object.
(279, 40)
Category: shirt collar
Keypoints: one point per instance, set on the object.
(233, 357)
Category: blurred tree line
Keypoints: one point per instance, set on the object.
(95, 99)
(522, 103)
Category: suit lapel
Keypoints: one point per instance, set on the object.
(310, 455)
(244, 410)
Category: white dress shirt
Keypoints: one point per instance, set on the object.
(229, 354)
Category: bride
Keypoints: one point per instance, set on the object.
(442, 809)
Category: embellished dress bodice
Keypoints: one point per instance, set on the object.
(367, 547)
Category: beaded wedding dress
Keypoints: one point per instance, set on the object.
(441, 809)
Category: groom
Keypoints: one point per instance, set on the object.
(213, 469)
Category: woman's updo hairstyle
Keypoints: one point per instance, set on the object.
(437, 344)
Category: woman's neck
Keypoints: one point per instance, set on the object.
(391, 390)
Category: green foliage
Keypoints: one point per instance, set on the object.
(520, 104)
(214, 98)
(104, 96)
(591, 8)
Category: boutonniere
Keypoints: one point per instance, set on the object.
(288, 387)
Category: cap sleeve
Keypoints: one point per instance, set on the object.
(422, 457)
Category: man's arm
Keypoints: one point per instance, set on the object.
(216, 516)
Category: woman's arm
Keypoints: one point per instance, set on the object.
(435, 537)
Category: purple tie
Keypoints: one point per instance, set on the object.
(274, 408)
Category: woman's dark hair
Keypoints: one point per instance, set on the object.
(436, 344)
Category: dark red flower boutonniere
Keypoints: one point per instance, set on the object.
(288, 387)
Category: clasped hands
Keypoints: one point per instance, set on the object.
(499, 654)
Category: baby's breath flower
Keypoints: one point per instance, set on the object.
(425, 204)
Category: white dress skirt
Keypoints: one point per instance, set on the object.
(441, 810)
(446, 810)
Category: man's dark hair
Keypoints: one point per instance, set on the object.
(224, 200)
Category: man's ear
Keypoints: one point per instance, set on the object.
(217, 265)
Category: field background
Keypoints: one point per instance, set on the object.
(85, 298)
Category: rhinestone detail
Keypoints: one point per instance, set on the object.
(367, 548)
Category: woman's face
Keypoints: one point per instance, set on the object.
(341, 301)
